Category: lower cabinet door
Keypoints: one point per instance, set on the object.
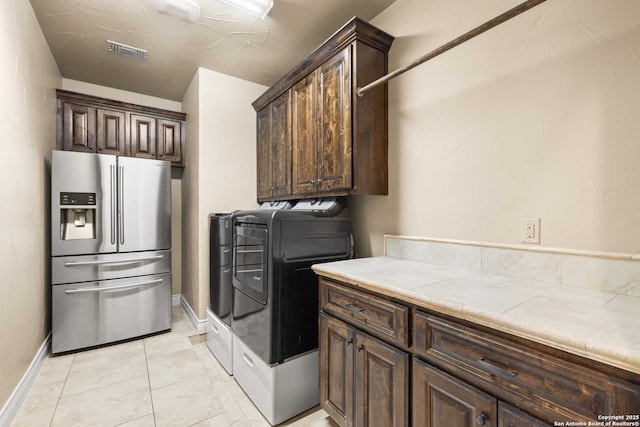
(381, 384)
(439, 400)
(336, 369)
(509, 416)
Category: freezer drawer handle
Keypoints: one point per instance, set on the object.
(111, 288)
(118, 262)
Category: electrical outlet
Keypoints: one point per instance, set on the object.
(530, 230)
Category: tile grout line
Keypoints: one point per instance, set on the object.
(66, 378)
(146, 363)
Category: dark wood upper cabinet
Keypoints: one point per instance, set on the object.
(339, 140)
(334, 131)
(111, 132)
(79, 127)
(305, 168)
(98, 125)
(263, 155)
(281, 145)
(143, 136)
(274, 149)
(170, 137)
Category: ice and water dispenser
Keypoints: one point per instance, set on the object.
(77, 216)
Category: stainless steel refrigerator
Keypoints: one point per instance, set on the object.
(111, 248)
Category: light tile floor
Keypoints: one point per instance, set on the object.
(171, 379)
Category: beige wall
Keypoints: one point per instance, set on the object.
(225, 178)
(190, 188)
(28, 78)
(176, 173)
(537, 118)
(120, 95)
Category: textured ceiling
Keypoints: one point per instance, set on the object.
(223, 40)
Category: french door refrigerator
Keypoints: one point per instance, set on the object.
(111, 248)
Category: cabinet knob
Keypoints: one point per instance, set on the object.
(349, 341)
(359, 348)
(481, 419)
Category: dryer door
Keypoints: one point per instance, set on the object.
(250, 261)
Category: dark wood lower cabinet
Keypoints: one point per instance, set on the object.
(509, 416)
(462, 374)
(440, 400)
(381, 383)
(336, 369)
(363, 381)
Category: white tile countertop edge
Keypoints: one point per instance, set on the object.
(552, 332)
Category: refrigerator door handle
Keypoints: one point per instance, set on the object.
(121, 207)
(107, 263)
(111, 288)
(113, 204)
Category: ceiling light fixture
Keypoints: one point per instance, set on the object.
(185, 9)
(258, 8)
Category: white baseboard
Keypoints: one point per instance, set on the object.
(175, 299)
(11, 407)
(200, 325)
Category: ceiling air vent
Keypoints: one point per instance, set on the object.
(128, 51)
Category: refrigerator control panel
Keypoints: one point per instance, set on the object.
(77, 199)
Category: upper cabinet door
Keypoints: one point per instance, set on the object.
(334, 133)
(281, 143)
(303, 113)
(170, 140)
(263, 156)
(143, 136)
(79, 128)
(110, 135)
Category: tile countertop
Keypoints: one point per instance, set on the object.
(601, 326)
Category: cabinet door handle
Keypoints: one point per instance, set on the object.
(348, 342)
(496, 370)
(359, 348)
(357, 312)
(481, 419)
(353, 308)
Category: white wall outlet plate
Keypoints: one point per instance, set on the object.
(530, 230)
